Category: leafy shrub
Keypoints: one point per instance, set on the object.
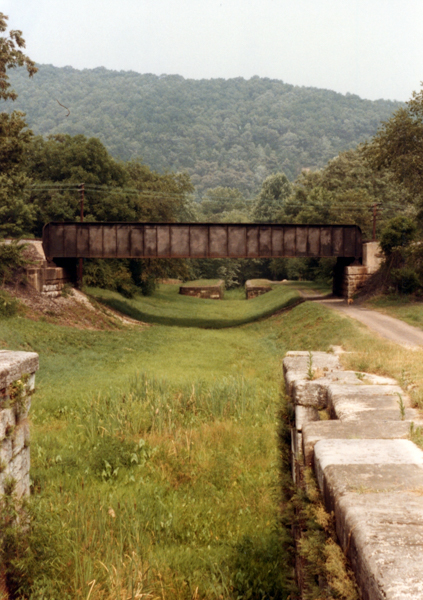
(148, 286)
(110, 275)
(406, 280)
(9, 306)
(111, 454)
(11, 260)
(397, 233)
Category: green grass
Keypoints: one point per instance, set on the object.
(167, 307)
(309, 286)
(402, 307)
(261, 282)
(202, 282)
(155, 466)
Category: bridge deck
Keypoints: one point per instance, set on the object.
(199, 240)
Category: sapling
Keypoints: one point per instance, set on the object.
(310, 372)
(401, 406)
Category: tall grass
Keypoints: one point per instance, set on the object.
(154, 455)
(152, 490)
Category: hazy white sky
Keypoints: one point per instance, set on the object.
(373, 48)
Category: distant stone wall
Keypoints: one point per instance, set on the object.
(17, 380)
(369, 473)
(254, 289)
(213, 292)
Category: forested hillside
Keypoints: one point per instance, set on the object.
(230, 133)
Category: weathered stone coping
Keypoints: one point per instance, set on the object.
(17, 380)
(369, 473)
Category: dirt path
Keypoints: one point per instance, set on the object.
(388, 327)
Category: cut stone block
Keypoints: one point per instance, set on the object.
(315, 392)
(364, 452)
(20, 436)
(375, 488)
(291, 377)
(338, 430)
(15, 364)
(7, 420)
(348, 402)
(382, 535)
(305, 414)
(6, 453)
(296, 366)
(310, 393)
(18, 467)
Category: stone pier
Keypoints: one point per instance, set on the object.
(350, 276)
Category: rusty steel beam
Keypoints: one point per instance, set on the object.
(199, 240)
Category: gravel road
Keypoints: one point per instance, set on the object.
(388, 327)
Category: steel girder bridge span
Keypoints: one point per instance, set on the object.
(200, 240)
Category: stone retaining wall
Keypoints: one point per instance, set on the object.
(254, 289)
(44, 276)
(369, 472)
(48, 280)
(213, 292)
(17, 379)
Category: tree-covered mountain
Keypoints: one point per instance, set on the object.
(231, 133)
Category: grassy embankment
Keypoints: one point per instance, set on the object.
(154, 453)
(402, 307)
(202, 282)
(167, 307)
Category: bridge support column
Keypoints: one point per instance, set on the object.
(339, 272)
(349, 275)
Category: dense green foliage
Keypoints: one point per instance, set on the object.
(238, 142)
(231, 133)
(12, 260)
(114, 191)
(12, 56)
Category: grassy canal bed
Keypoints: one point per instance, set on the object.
(154, 452)
(167, 307)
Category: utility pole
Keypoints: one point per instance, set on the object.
(375, 206)
(81, 260)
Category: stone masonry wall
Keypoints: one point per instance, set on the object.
(369, 472)
(213, 292)
(253, 289)
(17, 379)
(353, 277)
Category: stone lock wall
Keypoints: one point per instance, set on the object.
(369, 472)
(254, 289)
(212, 292)
(17, 380)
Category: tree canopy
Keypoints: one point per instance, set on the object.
(224, 133)
(11, 56)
